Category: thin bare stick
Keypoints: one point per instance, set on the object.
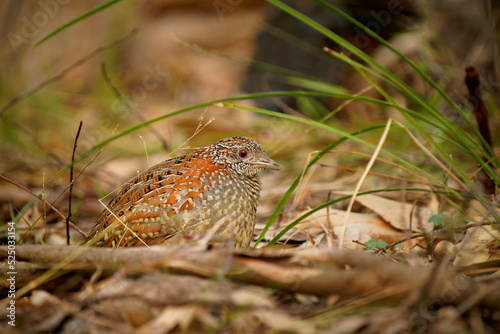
(44, 207)
(63, 73)
(481, 113)
(435, 233)
(130, 107)
(46, 203)
(72, 181)
(329, 220)
(366, 245)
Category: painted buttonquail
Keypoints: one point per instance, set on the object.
(211, 191)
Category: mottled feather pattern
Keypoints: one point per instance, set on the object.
(213, 189)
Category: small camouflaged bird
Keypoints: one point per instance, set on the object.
(212, 191)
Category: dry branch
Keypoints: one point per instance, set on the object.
(130, 291)
(72, 181)
(476, 100)
(312, 271)
(481, 112)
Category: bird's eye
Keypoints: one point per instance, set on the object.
(243, 153)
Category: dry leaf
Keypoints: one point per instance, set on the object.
(360, 226)
(398, 214)
(480, 247)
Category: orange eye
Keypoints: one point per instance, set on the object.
(243, 153)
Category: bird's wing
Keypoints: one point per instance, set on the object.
(154, 204)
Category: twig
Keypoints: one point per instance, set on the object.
(132, 109)
(63, 73)
(329, 220)
(481, 113)
(375, 249)
(435, 233)
(322, 278)
(46, 203)
(72, 181)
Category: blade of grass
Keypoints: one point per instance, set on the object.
(382, 41)
(342, 133)
(469, 184)
(75, 20)
(254, 96)
(295, 183)
(451, 129)
(364, 57)
(343, 198)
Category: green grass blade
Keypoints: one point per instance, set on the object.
(422, 102)
(78, 19)
(324, 205)
(295, 183)
(342, 133)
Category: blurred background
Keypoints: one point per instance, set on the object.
(184, 52)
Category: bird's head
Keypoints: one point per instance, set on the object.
(242, 155)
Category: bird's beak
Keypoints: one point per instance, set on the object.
(267, 162)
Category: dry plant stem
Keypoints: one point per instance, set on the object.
(432, 156)
(435, 233)
(330, 224)
(480, 111)
(133, 110)
(361, 180)
(344, 104)
(199, 128)
(320, 272)
(39, 197)
(110, 228)
(72, 181)
(423, 180)
(312, 271)
(305, 180)
(145, 150)
(385, 176)
(55, 270)
(376, 250)
(330, 237)
(63, 73)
